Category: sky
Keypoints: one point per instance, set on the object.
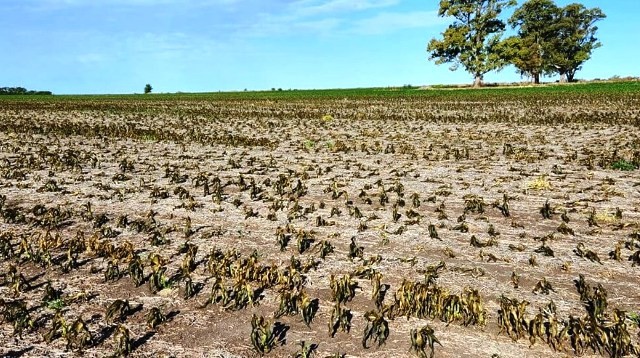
(118, 46)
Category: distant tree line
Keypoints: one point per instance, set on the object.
(21, 91)
(550, 40)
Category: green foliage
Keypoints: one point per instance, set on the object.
(623, 165)
(147, 89)
(473, 39)
(575, 29)
(634, 318)
(21, 91)
(616, 88)
(309, 145)
(528, 51)
(525, 54)
(56, 304)
(551, 39)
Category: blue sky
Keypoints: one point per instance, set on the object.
(117, 46)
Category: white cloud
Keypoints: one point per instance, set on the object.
(377, 24)
(91, 58)
(387, 22)
(319, 26)
(321, 17)
(237, 19)
(315, 7)
(144, 48)
(44, 5)
(269, 25)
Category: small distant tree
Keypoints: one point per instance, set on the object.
(148, 89)
(21, 91)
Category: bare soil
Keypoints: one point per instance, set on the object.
(368, 147)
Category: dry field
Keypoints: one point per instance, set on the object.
(502, 224)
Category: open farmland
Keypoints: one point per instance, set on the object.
(503, 222)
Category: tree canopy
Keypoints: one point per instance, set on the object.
(575, 39)
(549, 39)
(21, 91)
(472, 39)
(528, 51)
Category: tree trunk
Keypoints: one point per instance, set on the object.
(536, 78)
(563, 77)
(477, 83)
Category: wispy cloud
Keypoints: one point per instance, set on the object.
(128, 2)
(152, 46)
(268, 25)
(91, 58)
(388, 22)
(254, 18)
(337, 24)
(315, 7)
(319, 17)
(47, 5)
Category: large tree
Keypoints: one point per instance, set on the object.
(575, 39)
(473, 39)
(529, 51)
